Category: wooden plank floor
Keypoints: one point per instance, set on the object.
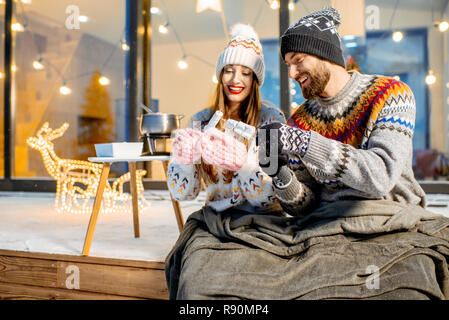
(30, 275)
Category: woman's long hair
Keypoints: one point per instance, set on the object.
(249, 114)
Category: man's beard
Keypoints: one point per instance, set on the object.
(318, 77)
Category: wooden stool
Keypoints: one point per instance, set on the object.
(107, 162)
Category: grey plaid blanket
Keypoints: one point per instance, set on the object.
(368, 249)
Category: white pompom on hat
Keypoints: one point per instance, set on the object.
(244, 49)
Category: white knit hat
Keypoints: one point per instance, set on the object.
(244, 49)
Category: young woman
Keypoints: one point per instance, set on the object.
(200, 154)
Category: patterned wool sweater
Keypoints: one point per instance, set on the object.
(360, 147)
(250, 189)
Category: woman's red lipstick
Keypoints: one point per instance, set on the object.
(235, 89)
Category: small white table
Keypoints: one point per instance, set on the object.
(107, 162)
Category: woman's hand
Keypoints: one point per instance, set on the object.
(186, 148)
(222, 150)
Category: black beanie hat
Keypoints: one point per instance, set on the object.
(315, 34)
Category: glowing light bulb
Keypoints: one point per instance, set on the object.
(2, 75)
(443, 26)
(38, 65)
(155, 10)
(214, 79)
(349, 37)
(430, 78)
(83, 19)
(291, 6)
(26, 1)
(398, 36)
(182, 64)
(202, 5)
(163, 28)
(274, 4)
(104, 81)
(125, 47)
(13, 68)
(18, 27)
(64, 90)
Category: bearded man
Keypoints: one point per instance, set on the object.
(359, 229)
(351, 139)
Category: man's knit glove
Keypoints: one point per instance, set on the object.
(270, 159)
(288, 140)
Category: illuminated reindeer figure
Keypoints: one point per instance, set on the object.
(71, 175)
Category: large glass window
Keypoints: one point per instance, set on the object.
(69, 67)
(406, 60)
(180, 33)
(403, 41)
(198, 38)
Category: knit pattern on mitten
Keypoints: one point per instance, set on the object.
(186, 147)
(222, 150)
(294, 140)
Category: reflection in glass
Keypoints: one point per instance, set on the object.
(67, 75)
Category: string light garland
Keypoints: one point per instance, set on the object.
(182, 63)
(40, 63)
(72, 175)
(215, 5)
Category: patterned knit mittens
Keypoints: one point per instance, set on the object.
(289, 140)
(222, 150)
(214, 146)
(186, 148)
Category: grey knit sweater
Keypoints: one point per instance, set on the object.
(360, 147)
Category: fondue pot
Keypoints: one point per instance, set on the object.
(159, 123)
(155, 128)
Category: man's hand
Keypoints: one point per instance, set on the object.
(286, 139)
(271, 159)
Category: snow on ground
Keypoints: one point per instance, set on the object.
(29, 222)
